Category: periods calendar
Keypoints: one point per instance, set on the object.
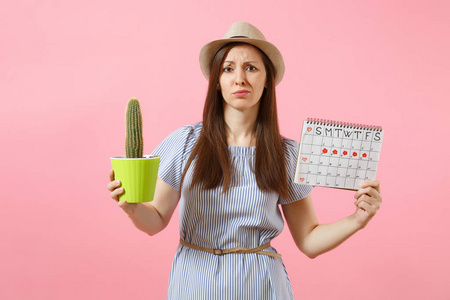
(338, 154)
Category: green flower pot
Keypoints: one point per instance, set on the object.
(138, 177)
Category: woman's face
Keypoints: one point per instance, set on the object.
(243, 78)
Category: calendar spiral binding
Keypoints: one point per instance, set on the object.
(339, 124)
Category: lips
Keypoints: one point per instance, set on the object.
(241, 93)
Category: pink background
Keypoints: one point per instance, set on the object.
(67, 71)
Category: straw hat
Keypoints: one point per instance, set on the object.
(245, 33)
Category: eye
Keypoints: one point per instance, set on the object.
(227, 69)
(251, 68)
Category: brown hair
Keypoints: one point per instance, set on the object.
(213, 165)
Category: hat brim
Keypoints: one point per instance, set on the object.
(210, 49)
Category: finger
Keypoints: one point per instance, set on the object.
(371, 211)
(362, 198)
(111, 175)
(122, 203)
(129, 208)
(115, 194)
(113, 185)
(371, 183)
(363, 191)
(371, 196)
(373, 202)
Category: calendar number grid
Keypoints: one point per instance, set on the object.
(337, 156)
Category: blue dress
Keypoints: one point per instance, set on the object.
(244, 216)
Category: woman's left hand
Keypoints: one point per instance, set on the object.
(368, 201)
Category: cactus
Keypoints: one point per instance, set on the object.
(134, 142)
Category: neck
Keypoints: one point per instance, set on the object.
(240, 126)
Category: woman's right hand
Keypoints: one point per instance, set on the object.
(114, 186)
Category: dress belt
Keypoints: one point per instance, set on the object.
(233, 250)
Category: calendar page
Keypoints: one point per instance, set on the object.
(337, 154)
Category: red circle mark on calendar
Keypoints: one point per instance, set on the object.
(365, 155)
(309, 129)
(335, 151)
(345, 152)
(325, 150)
(355, 154)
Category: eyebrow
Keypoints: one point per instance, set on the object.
(245, 62)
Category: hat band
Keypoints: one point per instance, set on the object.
(239, 37)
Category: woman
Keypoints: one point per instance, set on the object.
(229, 174)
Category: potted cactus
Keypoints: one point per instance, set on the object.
(137, 172)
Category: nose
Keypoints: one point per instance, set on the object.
(240, 77)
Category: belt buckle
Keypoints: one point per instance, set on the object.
(218, 251)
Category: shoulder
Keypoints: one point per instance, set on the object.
(289, 143)
(193, 129)
(174, 151)
(290, 147)
(186, 134)
(179, 141)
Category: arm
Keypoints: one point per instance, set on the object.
(313, 238)
(149, 217)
